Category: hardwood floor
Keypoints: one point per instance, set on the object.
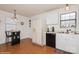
(27, 47)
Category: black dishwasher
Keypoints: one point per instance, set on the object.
(50, 39)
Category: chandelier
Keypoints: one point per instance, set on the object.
(15, 18)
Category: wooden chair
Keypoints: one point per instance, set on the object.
(8, 35)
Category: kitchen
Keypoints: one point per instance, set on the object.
(56, 29)
(39, 29)
(60, 23)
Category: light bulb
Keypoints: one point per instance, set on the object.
(67, 7)
(15, 20)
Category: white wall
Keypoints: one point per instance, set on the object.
(25, 30)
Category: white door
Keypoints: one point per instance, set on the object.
(37, 32)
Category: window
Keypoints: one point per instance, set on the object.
(10, 24)
(68, 20)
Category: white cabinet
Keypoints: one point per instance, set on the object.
(60, 41)
(68, 42)
(70, 45)
(77, 43)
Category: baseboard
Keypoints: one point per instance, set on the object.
(38, 44)
(26, 38)
(2, 43)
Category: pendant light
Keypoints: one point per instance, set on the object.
(15, 14)
(67, 7)
(15, 18)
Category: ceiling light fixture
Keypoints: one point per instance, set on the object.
(67, 7)
(15, 18)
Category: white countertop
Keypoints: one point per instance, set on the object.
(62, 33)
(51, 32)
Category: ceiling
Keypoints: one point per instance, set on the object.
(30, 9)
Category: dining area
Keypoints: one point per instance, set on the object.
(12, 35)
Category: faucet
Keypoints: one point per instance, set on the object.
(68, 30)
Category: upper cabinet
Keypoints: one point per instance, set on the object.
(52, 18)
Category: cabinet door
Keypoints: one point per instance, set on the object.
(70, 44)
(59, 41)
(62, 42)
(76, 39)
(50, 40)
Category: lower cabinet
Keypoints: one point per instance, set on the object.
(50, 40)
(68, 42)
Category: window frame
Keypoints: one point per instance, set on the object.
(68, 19)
